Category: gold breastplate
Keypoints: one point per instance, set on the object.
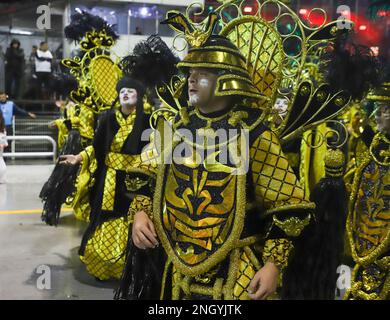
(199, 213)
(369, 222)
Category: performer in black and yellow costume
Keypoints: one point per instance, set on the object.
(321, 247)
(75, 132)
(221, 229)
(116, 146)
(228, 232)
(114, 159)
(368, 224)
(95, 92)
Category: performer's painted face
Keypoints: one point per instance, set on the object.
(280, 110)
(382, 117)
(201, 86)
(128, 97)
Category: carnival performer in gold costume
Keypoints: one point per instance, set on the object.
(114, 161)
(76, 129)
(225, 209)
(116, 144)
(368, 224)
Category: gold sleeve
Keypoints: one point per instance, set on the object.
(150, 156)
(148, 163)
(276, 186)
(286, 211)
(86, 123)
(278, 252)
(79, 200)
(62, 132)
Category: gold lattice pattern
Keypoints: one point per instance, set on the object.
(104, 254)
(82, 210)
(150, 157)
(87, 123)
(108, 200)
(115, 160)
(104, 77)
(245, 274)
(126, 126)
(262, 48)
(275, 182)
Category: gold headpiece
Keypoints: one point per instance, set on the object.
(214, 52)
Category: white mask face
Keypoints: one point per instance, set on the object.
(128, 97)
(382, 117)
(281, 107)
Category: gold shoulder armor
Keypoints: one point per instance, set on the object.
(292, 226)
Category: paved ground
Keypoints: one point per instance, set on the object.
(38, 261)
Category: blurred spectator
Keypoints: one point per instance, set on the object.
(43, 69)
(9, 109)
(33, 53)
(32, 82)
(2, 62)
(138, 31)
(3, 144)
(14, 58)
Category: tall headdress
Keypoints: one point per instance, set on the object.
(97, 74)
(217, 52)
(264, 56)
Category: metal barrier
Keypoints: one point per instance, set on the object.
(32, 154)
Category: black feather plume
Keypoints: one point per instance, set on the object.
(81, 23)
(151, 62)
(351, 67)
(61, 182)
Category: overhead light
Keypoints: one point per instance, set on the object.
(248, 9)
(130, 13)
(144, 11)
(78, 10)
(21, 32)
(303, 12)
(375, 51)
(363, 27)
(112, 12)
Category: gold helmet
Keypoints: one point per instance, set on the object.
(215, 52)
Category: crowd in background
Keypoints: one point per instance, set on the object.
(32, 77)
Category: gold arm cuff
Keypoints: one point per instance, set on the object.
(140, 203)
(277, 251)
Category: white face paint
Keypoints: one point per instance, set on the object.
(382, 117)
(128, 97)
(194, 99)
(201, 84)
(281, 107)
(204, 83)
